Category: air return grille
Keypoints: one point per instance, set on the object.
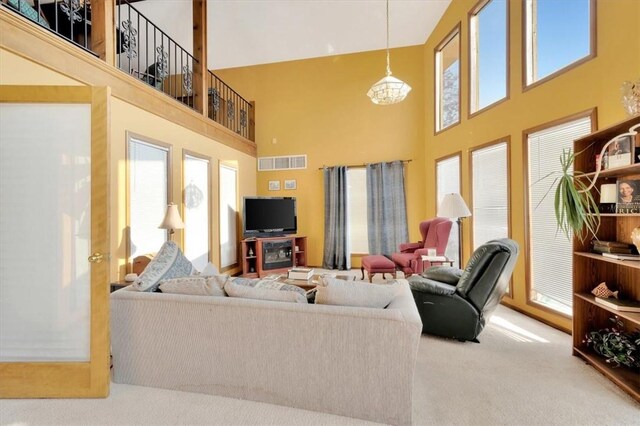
(282, 163)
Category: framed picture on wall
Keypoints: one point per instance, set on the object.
(274, 185)
(290, 184)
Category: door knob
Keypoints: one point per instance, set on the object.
(96, 257)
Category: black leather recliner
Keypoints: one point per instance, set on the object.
(457, 304)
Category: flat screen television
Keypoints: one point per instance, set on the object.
(269, 216)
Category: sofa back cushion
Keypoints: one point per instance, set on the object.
(168, 263)
(265, 290)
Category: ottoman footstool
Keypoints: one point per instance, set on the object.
(377, 264)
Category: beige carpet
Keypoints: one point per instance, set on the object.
(522, 373)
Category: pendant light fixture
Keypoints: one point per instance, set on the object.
(389, 90)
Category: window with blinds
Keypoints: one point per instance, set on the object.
(448, 181)
(550, 258)
(490, 193)
(357, 210)
(196, 210)
(228, 215)
(148, 196)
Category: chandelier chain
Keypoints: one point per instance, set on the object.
(388, 66)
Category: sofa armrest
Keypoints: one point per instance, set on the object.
(425, 285)
(409, 247)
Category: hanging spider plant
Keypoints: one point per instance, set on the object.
(576, 210)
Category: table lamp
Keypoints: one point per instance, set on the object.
(608, 198)
(172, 220)
(453, 206)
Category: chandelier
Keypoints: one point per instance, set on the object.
(388, 90)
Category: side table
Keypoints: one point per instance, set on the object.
(118, 285)
(436, 259)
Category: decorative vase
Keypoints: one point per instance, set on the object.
(631, 97)
(635, 238)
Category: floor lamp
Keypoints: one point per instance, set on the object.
(453, 206)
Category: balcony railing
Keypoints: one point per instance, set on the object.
(144, 51)
(70, 19)
(230, 109)
(151, 55)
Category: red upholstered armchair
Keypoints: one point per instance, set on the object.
(435, 233)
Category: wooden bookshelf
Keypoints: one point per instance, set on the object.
(590, 269)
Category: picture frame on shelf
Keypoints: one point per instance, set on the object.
(290, 184)
(274, 185)
(620, 153)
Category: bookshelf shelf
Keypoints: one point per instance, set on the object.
(591, 269)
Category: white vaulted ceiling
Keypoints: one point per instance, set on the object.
(251, 32)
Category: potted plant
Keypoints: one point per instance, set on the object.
(617, 346)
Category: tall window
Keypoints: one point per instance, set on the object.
(490, 193)
(448, 181)
(228, 216)
(357, 210)
(148, 195)
(448, 81)
(196, 210)
(488, 46)
(550, 287)
(557, 34)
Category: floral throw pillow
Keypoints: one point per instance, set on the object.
(168, 263)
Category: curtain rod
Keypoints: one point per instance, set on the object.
(356, 166)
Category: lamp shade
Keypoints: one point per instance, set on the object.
(608, 193)
(172, 218)
(453, 205)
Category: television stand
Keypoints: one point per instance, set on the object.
(272, 255)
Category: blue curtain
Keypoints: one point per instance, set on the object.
(336, 250)
(386, 207)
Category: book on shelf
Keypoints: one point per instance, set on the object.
(610, 244)
(620, 304)
(618, 250)
(622, 256)
(300, 273)
(628, 196)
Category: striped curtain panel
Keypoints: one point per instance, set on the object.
(336, 247)
(386, 207)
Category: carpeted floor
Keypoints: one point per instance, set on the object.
(522, 373)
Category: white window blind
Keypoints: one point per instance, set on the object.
(148, 177)
(357, 210)
(551, 253)
(228, 216)
(448, 181)
(196, 211)
(490, 194)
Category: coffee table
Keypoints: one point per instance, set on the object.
(312, 282)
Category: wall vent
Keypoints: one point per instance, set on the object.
(287, 162)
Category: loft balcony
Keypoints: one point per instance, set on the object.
(142, 50)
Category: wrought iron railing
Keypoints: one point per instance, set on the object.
(151, 55)
(230, 109)
(70, 19)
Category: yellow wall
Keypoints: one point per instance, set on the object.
(126, 117)
(319, 107)
(595, 83)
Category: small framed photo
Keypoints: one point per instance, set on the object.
(290, 184)
(621, 152)
(274, 185)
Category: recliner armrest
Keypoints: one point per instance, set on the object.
(426, 285)
(409, 247)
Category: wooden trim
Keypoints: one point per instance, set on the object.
(128, 136)
(35, 44)
(103, 30)
(74, 379)
(472, 14)
(185, 153)
(233, 166)
(506, 140)
(200, 89)
(593, 50)
(457, 30)
(592, 113)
